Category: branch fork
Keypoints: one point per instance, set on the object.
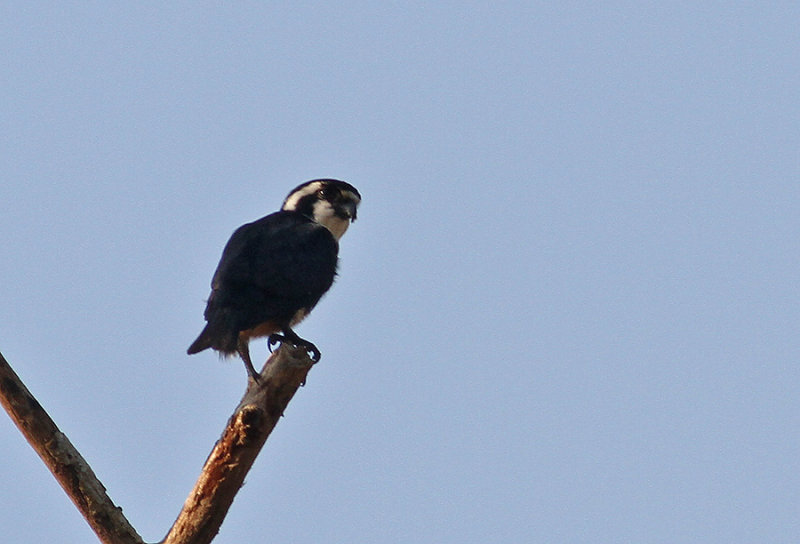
(222, 476)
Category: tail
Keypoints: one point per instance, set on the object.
(219, 334)
(203, 342)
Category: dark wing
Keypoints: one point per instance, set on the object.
(270, 269)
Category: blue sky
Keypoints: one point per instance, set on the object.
(567, 313)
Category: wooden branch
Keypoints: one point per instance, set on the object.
(69, 468)
(222, 476)
(233, 455)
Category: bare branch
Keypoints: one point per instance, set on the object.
(222, 476)
(69, 468)
(233, 455)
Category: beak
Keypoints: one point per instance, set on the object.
(349, 210)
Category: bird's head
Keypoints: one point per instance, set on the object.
(329, 202)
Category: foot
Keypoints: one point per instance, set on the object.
(296, 341)
(244, 353)
(252, 372)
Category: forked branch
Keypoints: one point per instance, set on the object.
(222, 476)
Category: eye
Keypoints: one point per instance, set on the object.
(328, 193)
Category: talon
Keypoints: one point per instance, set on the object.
(310, 349)
(290, 336)
(274, 339)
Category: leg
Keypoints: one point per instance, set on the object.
(291, 336)
(244, 352)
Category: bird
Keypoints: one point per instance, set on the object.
(274, 270)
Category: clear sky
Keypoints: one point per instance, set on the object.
(568, 312)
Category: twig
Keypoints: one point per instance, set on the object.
(69, 468)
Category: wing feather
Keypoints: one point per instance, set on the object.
(271, 268)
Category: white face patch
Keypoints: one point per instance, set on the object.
(325, 215)
(322, 211)
(294, 198)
